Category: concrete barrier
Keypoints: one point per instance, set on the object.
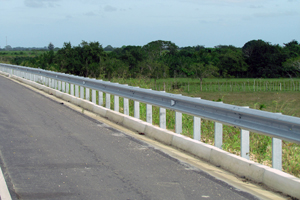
(115, 116)
(275, 179)
(194, 147)
(237, 165)
(139, 125)
(159, 134)
(283, 182)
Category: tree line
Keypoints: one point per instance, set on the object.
(163, 59)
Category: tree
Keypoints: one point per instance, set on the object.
(204, 71)
(153, 69)
(108, 48)
(231, 62)
(292, 49)
(114, 68)
(8, 48)
(264, 60)
(131, 56)
(155, 49)
(292, 66)
(92, 54)
(51, 47)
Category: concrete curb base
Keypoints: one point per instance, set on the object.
(274, 179)
(4, 193)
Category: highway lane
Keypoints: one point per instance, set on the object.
(48, 151)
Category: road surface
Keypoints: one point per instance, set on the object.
(48, 151)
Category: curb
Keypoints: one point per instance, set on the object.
(273, 178)
(4, 193)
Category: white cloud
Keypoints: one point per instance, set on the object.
(255, 6)
(276, 14)
(91, 14)
(109, 8)
(41, 3)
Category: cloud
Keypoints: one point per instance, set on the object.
(90, 14)
(109, 8)
(40, 3)
(279, 14)
(255, 7)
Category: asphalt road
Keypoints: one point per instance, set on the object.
(48, 151)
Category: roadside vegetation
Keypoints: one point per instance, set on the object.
(164, 59)
(259, 75)
(260, 146)
(276, 101)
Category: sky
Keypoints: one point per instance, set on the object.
(36, 23)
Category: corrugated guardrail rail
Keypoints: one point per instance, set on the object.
(279, 127)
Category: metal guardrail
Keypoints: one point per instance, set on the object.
(266, 123)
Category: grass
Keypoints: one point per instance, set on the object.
(188, 85)
(285, 102)
(7, 56)
(21, 53)
(260, 146)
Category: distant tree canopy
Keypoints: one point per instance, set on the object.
(8, 48)
(162, 59)
(108, 48)
(51, 47)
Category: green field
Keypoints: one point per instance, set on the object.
(282, 101)
(191, 86)
(21, 53)
(7, 56)
(273, 95)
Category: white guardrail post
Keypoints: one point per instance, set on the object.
(100, 98)
(149, 113)
(178, 121)
(76, 91)
(107, 100)
(137, 109)
(278, 127)
(126, 106)
(218, 135)
(63, 87)
(59, 85)
(277, 152)
(162, 118)
(94, 97)
(197, 127)
(245, 148)
(72, 89)
(67, 88)
(116, 103)
(81, 92)
(87, 94)
(245, 151)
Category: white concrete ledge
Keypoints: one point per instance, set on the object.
(115, 116)
(133, 123)
(282, 182)
(159, 134)
(194, 147)
(237, 164)
(4, 192)
(275, 179)
(4, 74)
(100, 110)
